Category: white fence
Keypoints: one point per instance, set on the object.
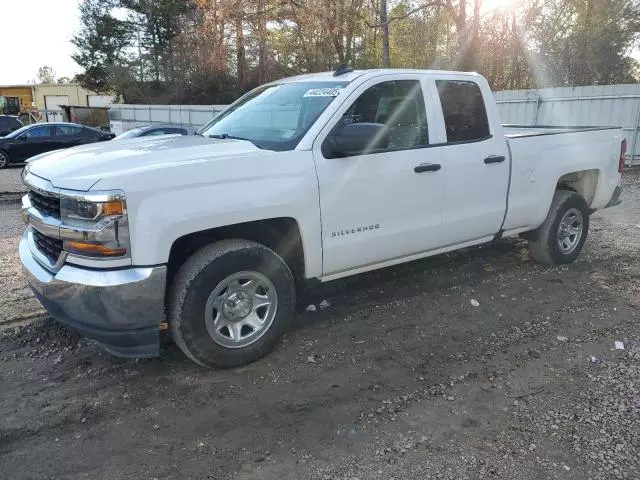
(124, 117)
(606, 105)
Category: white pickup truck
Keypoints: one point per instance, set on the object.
(313, 177)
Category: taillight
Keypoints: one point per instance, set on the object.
(623, 153)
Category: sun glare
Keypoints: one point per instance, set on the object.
(493, 5)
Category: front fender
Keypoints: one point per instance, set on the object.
(160, 216)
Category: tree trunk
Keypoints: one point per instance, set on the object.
(241, 64)
(262, 43)
(384, 22)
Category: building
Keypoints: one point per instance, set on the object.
(22, 95)
(48, 98)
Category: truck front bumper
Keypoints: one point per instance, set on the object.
(121, 309)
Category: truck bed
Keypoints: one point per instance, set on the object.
(516, 131)
(542, 155)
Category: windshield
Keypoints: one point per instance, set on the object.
(15, 133)
(274, 117)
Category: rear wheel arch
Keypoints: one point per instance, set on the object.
(582, 182)
(567, 207)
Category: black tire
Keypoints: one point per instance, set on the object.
(198, 277)
(5, 160)
(543, 242)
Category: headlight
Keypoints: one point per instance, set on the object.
(80, 211)
(95, 225)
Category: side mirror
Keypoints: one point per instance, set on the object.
(356, 139)
(24, 138)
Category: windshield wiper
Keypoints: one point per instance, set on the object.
(226, 136)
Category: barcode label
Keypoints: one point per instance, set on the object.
(322, 92)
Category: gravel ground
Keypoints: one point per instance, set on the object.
(17, 302)
(11, 180)
(400, 377)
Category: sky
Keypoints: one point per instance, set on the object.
(52, 23)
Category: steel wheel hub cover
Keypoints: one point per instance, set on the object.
(237, 305)
(240, 309)
(570, 230)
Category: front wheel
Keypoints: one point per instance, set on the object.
(560, 238)
(230, 303)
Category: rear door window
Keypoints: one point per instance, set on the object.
(465, 115)
(154, 132)
(62, 130)
(174, 131)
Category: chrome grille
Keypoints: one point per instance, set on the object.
(47, 205)
(50, 247)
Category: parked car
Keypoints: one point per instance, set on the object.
(25, 142)
(8, 124)
(316, 177)
(156, 129)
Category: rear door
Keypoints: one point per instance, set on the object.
(474, 158)
(384, 204)
(67, 136)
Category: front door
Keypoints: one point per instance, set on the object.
(385, 203)
(34, 141)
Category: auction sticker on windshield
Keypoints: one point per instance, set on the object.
(323, 92)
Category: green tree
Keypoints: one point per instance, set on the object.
(46, 74)
(101, 44)
(157, 23)
(585, 42)
(210, 51)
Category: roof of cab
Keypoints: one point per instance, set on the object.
(350, 76)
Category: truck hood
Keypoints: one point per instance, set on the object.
(79, 168)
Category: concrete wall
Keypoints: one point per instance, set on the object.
(123, 117)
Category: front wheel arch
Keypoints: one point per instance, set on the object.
(198, 279)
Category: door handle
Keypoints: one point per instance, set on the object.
(494, 159)
(427, 167)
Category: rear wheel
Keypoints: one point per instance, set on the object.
(561, 237)
(230, 303)
(4, 159)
